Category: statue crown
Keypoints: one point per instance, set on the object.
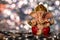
(40, 8)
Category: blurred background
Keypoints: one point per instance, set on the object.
(14, 14)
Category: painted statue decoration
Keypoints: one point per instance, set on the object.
(41, 21)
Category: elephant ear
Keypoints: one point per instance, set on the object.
(48, 15)
(40, 8)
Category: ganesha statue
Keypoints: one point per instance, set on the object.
(41, 21)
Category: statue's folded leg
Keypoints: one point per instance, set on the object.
(34, 30)
(46, 31)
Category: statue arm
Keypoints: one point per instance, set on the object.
(51, 21)
(47, 24)
(32, 22)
